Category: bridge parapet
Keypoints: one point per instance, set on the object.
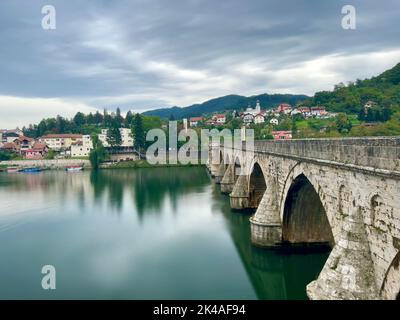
(380, 152)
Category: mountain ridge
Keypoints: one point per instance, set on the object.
(226, 103)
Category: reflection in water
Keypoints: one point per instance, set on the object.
(159, 233)
(273, 273)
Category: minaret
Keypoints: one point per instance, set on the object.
(258, 107)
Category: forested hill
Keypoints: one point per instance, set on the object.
(230, 102)
(384, 90)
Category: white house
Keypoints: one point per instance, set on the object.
(248, 118)
(195, 121)
(259, 118)
(126, 137)
(82, 148)
(274, 121)
(219, 118)
(60, 142)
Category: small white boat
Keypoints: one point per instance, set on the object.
(12, 169)
(74, 168)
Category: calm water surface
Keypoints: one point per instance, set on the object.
(164, 233)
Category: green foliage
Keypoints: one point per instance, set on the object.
(114, 138)
(343, 123)
(138, 133)
(384, 90)
(98, 154)
(50, 155)
(4, 155)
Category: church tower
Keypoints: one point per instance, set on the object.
(258, 107)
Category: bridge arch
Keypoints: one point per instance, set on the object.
(305, 219)
(257, 185)
(391, 285)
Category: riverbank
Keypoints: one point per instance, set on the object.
(61, 164)
(55, 164)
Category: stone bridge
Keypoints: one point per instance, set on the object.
(342, 193)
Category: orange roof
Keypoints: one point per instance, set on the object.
(22, 138)
(196, 119)
(9, 145)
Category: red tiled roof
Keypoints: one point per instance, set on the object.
(9, 145)
(196, 119)
(22, 138)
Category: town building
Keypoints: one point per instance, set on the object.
(60, 142)
(284, 108)
(274, 121)
(318, 111)
(255, 111)
(305, 111)
(126, 137)
(259, 118)
(248, 118)
(219, 119)
(37, 152)
(194, 122)
(282, 135)
(24, 143)
(370, 104)
(82, 148)
(10, 147)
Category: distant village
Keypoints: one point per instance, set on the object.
(272, 116)
(65, 145)
(79, 145)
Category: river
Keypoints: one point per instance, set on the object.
(151, 233)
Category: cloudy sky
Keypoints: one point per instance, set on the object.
(145, 54)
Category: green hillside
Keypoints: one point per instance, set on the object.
(230, 102)
(384, 90)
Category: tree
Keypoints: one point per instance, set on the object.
(4, 155)
(50, 155)
(118, 118)
(138, 133)
(98, 154)
(128, 119)
(114, 138)
(79, 119)
(343, 124)
(42, 128)
(98, 118)
(61, 124)
(294, 127)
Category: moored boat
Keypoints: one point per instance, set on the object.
(74, 168)
(30, 170)
(12, 169)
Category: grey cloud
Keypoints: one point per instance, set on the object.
(147, 53)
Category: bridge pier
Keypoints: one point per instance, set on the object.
(348, 273)
(219, 174)
(228, 181)
(266, 226)
(239, 196)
